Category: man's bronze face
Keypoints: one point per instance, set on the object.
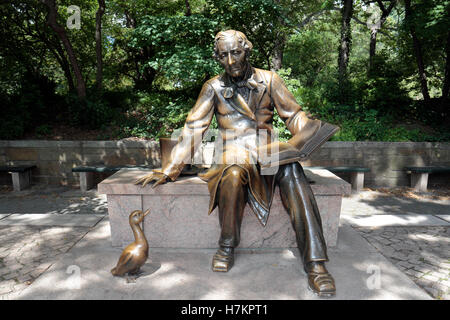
(232, 56)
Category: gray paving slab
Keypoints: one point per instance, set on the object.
(83, 273)
(445, 217)
(376, 203)
(4, 215)
(62, 220)
(53, 199)
(394, 220)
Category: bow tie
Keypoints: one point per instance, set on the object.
(249, 83)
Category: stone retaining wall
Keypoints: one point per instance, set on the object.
(55, 159)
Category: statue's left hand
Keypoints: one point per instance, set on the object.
(159, 177)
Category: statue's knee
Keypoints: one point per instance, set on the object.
(290, 170)
(235, 171)
(236, 175)
(293, 166)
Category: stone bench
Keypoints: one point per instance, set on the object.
(21, 175)
(87, 173)
(356, 174)
(179, 219)
(419, 175)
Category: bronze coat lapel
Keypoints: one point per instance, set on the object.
(256, 96)
(238, 102)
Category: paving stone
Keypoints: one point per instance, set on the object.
(445, 283)
(405, 264)
(413, 273)
(420, 252)
(422, 268)
(24, 278)
(4, 271)
(433, 291)
(28, 251)
(430, 277)
(10, 275)
(440, 275)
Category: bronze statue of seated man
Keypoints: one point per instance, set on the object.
(243, 99)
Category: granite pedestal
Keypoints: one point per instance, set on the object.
(178, 212)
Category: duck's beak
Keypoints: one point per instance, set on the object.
(146, 212)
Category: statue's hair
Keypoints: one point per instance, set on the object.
(242, 39)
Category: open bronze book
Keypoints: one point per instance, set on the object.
(279, 153)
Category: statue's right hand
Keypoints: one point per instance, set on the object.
(157, 176)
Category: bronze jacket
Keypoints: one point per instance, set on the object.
(241, 126)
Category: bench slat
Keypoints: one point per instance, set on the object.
(428, 169)
(105, 168)
(342, 169)
(16, 168)
(348, 169)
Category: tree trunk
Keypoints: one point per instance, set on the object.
(58, 53)
(277, 54)
(278, 49)
(51, 20)
(344, 49)
(98, 42)
(61, 58)
(373, 46)
(418, 52)
(188, 8)
(446, 84)
(377, 27)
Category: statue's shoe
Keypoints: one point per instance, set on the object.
(321, 284)
(223, 260)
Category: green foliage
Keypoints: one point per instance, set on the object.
(156, 57)
(380, 89)
(156, 115)
(33, 103)
(307, 54)
(260, 20)
(44, 130)
(181, 47)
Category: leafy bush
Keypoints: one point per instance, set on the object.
(380, 88)
(33, 104)
(180, 48)
(156, 115)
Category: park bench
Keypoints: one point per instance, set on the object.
(419, 175)
(87, 173)
(356, 174)
(21, 175)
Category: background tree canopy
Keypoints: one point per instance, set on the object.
(377, 68)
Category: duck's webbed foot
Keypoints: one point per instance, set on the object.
(133, 275)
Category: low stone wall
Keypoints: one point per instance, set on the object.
(386, 160)
(55, 159)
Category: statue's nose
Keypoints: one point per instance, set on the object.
(230, 59)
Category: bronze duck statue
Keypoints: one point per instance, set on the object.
(136, 253)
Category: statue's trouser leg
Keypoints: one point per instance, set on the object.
(299, 201)
(232, 197)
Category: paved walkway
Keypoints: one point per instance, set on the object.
(423, 253)
(411, 233)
